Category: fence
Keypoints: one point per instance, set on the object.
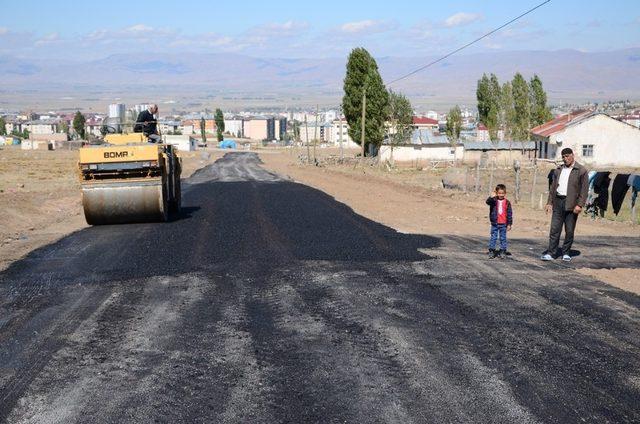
(527, 184)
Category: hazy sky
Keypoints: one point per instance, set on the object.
(71, 29)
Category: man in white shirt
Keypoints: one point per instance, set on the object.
(567, 197)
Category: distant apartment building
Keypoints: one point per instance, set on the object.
(302, 116)
(265, 128)
(139, 108)
(187, 128)
(255, 128)
(43, 126)
(312, 131)
(170, 127)
(234, 126)
(337, 127)
(279, 128)
(117, 110)
(13, 125)
(209, 125)
(329, 115)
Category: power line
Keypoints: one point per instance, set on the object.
(422, 68)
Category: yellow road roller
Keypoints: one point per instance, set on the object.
(126, 179)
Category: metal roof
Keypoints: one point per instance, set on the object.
(426, 136)
(500, 145)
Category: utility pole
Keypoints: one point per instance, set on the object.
(306, 136)
(340, 135)
(315, 137)
(364, 108)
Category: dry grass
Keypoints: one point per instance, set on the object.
(40, 197)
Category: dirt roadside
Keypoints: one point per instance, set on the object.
(410, 203)
(40, 197)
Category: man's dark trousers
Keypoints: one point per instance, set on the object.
(560, 218)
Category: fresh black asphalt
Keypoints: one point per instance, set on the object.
(268, 301)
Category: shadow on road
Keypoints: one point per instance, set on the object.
(225, 223)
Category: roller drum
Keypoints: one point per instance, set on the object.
(121, 202)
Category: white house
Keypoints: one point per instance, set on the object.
(595, 138)
(424, 145)
(184, 143)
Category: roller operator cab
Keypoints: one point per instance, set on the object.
(126, 179)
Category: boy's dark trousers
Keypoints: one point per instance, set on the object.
(501, 231)
(560, 218)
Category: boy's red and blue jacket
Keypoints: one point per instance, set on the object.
(493, 211)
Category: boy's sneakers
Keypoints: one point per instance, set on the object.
(492, 253)
(500, 254)
(566, 258)
(546, 257)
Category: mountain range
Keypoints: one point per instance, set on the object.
(568, 75)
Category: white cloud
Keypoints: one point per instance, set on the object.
(276, 30)
(367, 26)
(137, 32)
(461, 18)
(3, 30)
(48, 39)
(139, 28)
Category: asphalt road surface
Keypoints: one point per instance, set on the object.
(268, 301)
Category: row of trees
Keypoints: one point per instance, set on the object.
(219, 120)
(513, 107)
(368, 105)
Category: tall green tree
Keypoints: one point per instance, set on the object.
(203, 132)
(522, 108)
(3, 126)
(454, 124)
(296, 131)
(540, 113)
(483, 96)
(362, 76)
(78, 124)
(506, 117)
(219, 118)
(488, 96)
(64, 127)
(400, 120)
(400, 117)
(494, 107)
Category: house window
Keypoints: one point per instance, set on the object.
(587, 150)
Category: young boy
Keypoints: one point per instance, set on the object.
(501, 217)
